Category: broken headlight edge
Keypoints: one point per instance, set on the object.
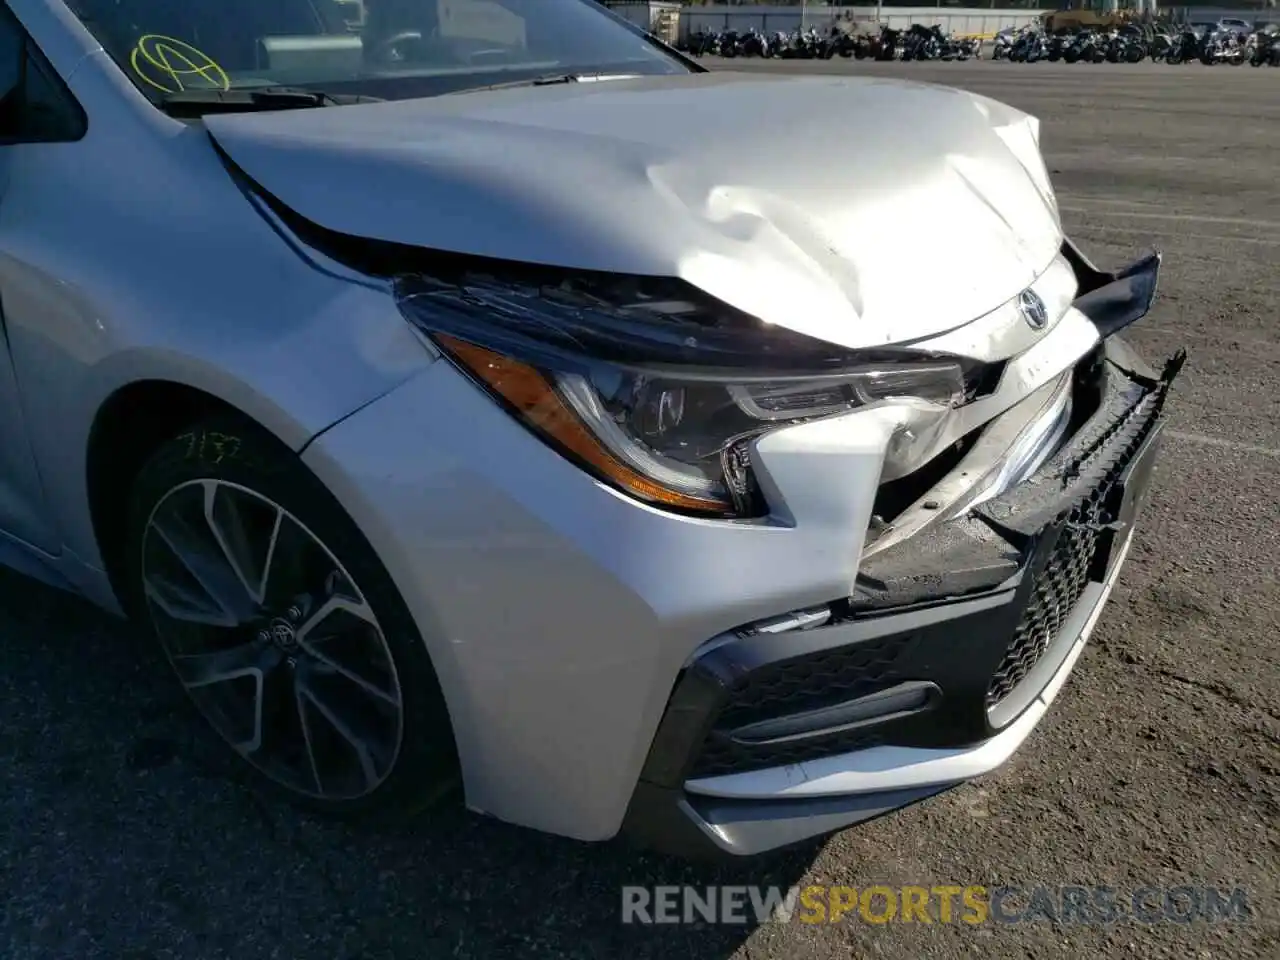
(662, 398)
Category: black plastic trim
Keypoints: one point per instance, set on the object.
(1125, 298)
(951, 647)
(1029, 688)
(727, 661)
(899, 701)
(1089, 277)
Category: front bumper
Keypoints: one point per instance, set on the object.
(560, 616)
(939, 665)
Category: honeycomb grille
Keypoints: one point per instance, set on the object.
(1060, 584)
(796, 686)
(1053, 596)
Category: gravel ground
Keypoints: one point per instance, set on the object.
(125, 835)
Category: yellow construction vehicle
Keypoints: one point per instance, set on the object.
(1073, 15)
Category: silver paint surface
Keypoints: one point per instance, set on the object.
(671, 177)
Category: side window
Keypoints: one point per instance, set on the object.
(35, 107)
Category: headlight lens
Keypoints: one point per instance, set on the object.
(663, 402)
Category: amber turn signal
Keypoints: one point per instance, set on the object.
(538, 404)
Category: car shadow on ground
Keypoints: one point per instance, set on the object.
(129, 832)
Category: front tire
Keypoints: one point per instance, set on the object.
(283, 626)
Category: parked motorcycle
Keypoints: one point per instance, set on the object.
(922, 43)
(1221, 46)
(703, 43)
(1161, 43)
(1264, 49)
(1124, 46)
(1003, 43)
(1131, 43)
(889, 45)
(1029, 48)
(963, 48)
(1056, 47)
(754, 44)
(845, 45)
(1084, 48)
(1185, 47)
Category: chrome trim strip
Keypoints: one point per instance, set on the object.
(1037, 444)
(1019, 434)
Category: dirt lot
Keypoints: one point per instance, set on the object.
(125, 836)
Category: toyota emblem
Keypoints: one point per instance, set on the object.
(1033, 310)
(282, 634)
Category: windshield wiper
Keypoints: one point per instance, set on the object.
(550, 80)
(197, 103)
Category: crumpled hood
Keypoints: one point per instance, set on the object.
(862, 211)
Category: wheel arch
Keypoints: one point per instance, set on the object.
(140, 419)
(127, 428)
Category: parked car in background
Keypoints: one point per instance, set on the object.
(1236, 26)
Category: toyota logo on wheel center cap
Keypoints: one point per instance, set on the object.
(1033, 309)
(283, 635)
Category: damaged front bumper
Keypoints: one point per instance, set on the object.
(946, 654)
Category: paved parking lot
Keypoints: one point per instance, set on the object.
(123, 835)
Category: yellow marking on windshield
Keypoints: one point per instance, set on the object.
(163, 62)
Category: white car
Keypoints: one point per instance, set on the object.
(466, 391)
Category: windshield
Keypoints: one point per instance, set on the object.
(391, 49)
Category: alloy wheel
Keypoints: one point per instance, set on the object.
(272, 639)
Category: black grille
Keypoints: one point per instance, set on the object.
(1053, 596)
(796, 686)
(1059, 585)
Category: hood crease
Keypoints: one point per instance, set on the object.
(924, 209)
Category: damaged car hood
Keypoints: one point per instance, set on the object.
(862, 211)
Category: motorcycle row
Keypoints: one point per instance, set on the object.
(915, 43)
(1133, 43)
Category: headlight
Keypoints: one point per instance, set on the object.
(663, 397)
